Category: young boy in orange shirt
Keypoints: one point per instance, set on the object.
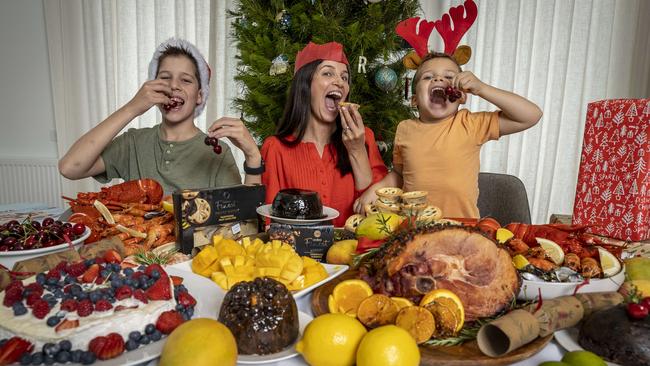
(439, 152)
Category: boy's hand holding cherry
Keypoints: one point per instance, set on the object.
(467, 82)
(151, 92)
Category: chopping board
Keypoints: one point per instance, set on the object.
(467, 354)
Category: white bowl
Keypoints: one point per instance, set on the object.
(530, 289)
(8, 259)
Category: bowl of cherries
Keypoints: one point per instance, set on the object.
(30, 238)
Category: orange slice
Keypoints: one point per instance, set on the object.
(447, 309)
(377, 310)
(418, 321)
(348, 294)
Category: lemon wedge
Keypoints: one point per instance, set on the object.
(552, 249)
(503, 235)
(520, 261)
(608, 261)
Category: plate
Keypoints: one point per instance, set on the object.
(330, 214)
(8, 259)
(208, 300)
(290, 351)
(333, 271)
(530, 289)
(568, 338)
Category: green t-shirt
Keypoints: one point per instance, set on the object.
(142, 153)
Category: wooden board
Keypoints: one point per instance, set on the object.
(467, 354)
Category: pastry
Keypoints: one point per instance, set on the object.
(352, 222)
(388, 194)
(414, 197)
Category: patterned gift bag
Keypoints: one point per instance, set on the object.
(613, 190)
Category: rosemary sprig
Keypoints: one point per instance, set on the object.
(146, 258)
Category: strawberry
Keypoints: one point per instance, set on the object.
(103, 305)
(76, 269)
(11, 351)
(176, 280)
(66, 324)
(91, 274)
(123, 292)
(40, 308)
(107, 347)
(140, 295)
(85, 308)
(168, 321)
(112, 256)
(186, 299)
(159, 290)
(122, 307)
(150, 268)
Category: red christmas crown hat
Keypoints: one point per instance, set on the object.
(332, 51)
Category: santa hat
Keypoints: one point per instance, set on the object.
(331, 51)
(204, 68)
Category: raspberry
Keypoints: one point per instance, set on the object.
(15, 284)
(69, 305)
(99, 280)
(84, 308)
(12, 296)
(103, 305)
(76, 269)
(34, 288)
(140, 295)
(53, 273)
(31, 299)
(40, 308)
(61, 266)
(123, 292)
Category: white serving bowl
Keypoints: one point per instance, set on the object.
(530, 289)
(8, 259)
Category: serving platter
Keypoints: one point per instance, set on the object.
(467, 354)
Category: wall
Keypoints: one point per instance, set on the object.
(27, 119)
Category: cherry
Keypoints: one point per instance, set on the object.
(47, 222)
(4, 248)
(645, 302)
(217, 149)
(29, 242)
(36, 225)
(636, 311)
(9, 241)
(78, 229)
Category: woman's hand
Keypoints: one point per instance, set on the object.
(151, 92)
(354, 132)
(234, 129)
(467, 82)
(369, 196)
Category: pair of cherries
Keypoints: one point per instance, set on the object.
(450, 93)
(214, 142)
(639, 310)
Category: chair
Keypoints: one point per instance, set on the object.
(503, 197)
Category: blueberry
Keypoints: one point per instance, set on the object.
(149, 329)
(180, 307)
(82, 296)
(181, 288)
(104, 273)
(94, 296)
(61, 313)
(58, 294)
(19, 309)
(37, 358)
(89, 262)
(51, 349)
(131, 345)
(75, 290)
(49, 360)
(51, 281)
(87, 358)
(63, 357)
(141, 268)
(116, 283)
(135, 335)
(40, 278)
(53, 320)
(48, 297)
(65, 345)
(116, 267)
(76, 356)
(155, 274)
(190, 311)
(25, 359)
(128, 272)
(185, 316)
(155, 336)
(128, 282)
(145, 339)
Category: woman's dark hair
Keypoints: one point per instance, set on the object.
(178, 51)
(296, 117)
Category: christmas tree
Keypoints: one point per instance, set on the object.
(271, 32)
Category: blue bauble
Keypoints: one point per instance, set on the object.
(285, 22)
(386, 79)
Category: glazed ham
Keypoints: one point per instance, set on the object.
(459, 259)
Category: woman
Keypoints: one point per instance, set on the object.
(320, 144)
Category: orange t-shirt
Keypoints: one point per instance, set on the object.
(300, 166)
(443, 158)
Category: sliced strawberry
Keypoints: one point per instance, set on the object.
(91, 274)
(159, 290)
(168, 321)
(107, 347)
(151, 267)
(11, 351)
(140, 295)
(176, 280)
(112, 256)
(122, 307)
(186, 299)
(67, 324)
(123, 292)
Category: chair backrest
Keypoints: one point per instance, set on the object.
(503, 197)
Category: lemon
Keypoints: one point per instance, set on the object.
(347, 296)
(401, 302)
(458, 310)
(608, 261)
(583, 358)
(520, 261)
(553, 250)
(379, 226)
(331, 340)
(503, 235)
(200, 341)
(341, 252)
(167, 204)
(389, 345)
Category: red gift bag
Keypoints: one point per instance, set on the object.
(613, 190)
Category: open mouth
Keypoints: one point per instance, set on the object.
(438, 96)
(332, 100)
(175, 104)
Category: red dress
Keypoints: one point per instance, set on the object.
(301, 167)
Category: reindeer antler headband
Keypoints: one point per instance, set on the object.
(463, 16)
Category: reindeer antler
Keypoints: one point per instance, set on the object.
(419, 40)
(461, 24)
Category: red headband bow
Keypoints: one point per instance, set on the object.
(331, 51)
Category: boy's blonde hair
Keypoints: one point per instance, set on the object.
(427, 57)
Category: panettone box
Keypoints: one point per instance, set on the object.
(307, 240)
(210, 208)
(613, 190)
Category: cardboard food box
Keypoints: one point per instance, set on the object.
(202, 209)
(613, 190)
(307, 240)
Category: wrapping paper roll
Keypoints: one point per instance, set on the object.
(595, 301)
(507, 333)
(559, 313)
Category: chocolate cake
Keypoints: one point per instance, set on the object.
(611, 334)
(262, 315)
(297, 204)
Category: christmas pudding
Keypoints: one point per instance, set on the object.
(89, 310)
(297, 204)
(262, 315)
(625, 342)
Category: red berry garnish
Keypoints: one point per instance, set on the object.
(85, 308)
(34, 288)
(168, 321)
(123, 292)
(217, 149)
(53, 273)
(69, 305)
(636, 311)
(78, 229)
(40, 308)
(12, 296)
(186, 299)
(645, 302)
(76, 269)
(107, 347)
(103, 305)
(31, 299)
(140, 295)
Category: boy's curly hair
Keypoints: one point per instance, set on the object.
(427, 57)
